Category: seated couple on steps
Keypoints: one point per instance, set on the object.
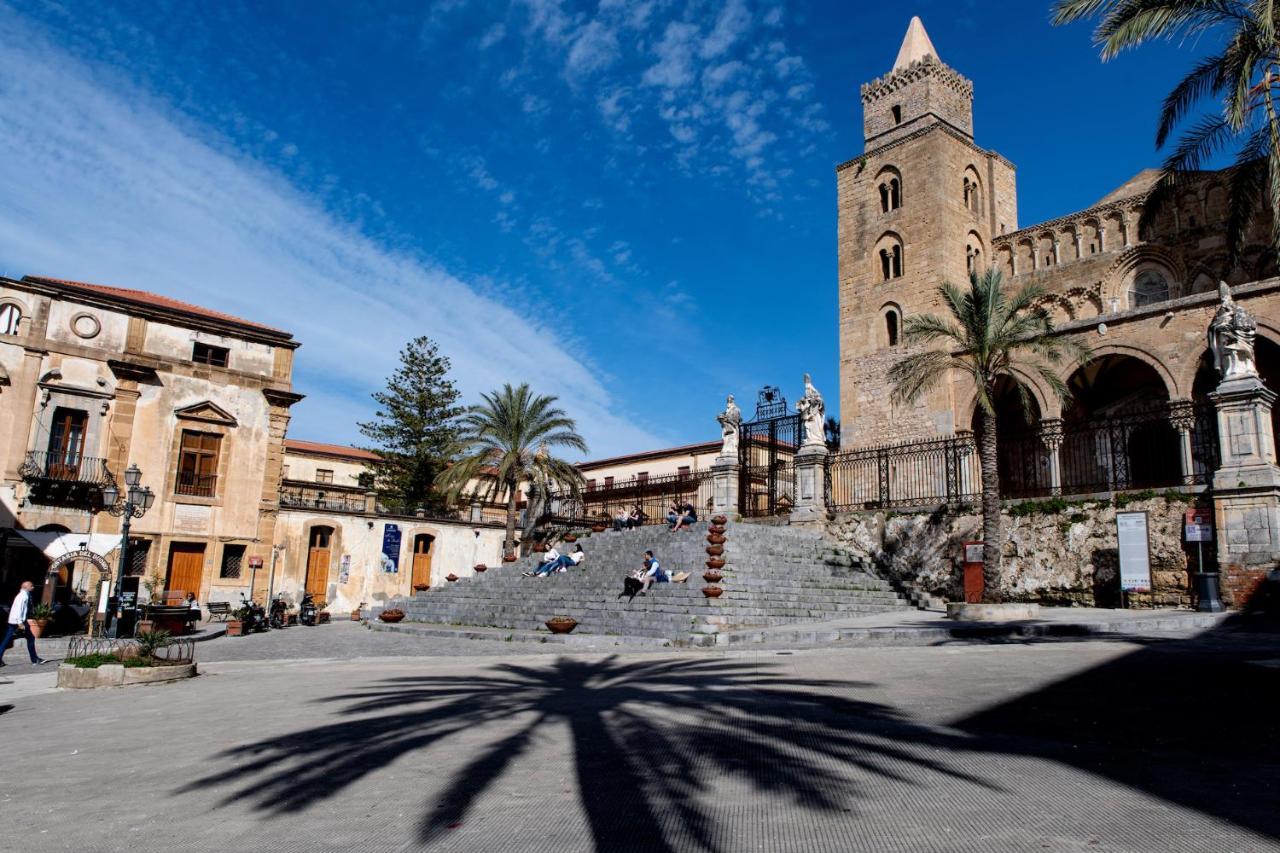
(639, 581)
(681, 515)
(554, 561)
(628, 518)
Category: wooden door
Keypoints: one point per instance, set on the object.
(318, 563)
(422, 545)
(186, 568)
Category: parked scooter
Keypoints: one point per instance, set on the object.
(279, 612)
(307, 610)
(255, 615)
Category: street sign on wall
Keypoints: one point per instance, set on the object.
(1135, 551)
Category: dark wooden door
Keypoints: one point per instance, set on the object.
(186, 568)
(318, 554)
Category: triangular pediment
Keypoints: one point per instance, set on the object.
(207, 412)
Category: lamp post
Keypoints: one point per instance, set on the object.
(134, 503)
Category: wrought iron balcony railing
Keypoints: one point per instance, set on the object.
(312, 497)
(61, 466)
(196, 485)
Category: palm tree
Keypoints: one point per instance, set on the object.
(990, 335)
(505, 442)
(1243, 77)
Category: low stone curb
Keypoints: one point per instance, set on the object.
(514, 635)
(922, 635)
(119, 675)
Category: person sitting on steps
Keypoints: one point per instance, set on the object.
(623, 520)
(551, 556)
(682, 515)
(634, 517)
(653, 572)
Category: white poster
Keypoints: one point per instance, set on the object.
(1135, 554)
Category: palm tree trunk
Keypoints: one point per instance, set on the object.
(509, 544)
(988, 456)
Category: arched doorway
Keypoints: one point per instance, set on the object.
(318, 553)
(1021, 458)
(423, 550)
(1117, 432)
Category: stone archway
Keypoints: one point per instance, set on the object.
(1021, 459)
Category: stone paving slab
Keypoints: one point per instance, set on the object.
(958, 748)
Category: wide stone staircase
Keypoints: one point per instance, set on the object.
(773, 575)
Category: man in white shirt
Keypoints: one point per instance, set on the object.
(548, 563)
(18, 618)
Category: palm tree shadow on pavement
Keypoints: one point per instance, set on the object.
(649, 739)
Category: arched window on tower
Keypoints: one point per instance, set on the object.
(891, 262)
(891, 327)
(10, 319)
(890, 189)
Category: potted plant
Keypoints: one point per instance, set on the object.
(715, 538)
(571, 537)
(235, 625)
(715, 564)
(715, 550)
(561, 624)
(421, 587)
(394, 614)
(712, 591)
(598, 527)
(38, 619)
(355, 614)
(451, 577)
(480, 568)
(509, 557)
(712, 576)
(719, 520)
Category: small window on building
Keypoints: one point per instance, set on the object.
(232, 561)
(10, 319)
(891, 262)
(209, 354)
(896, 111)
(284, 472)
(591, 485)
(1148, 288)
(198, 464)
(891, 327)
(324, 475)
(682, 471)
(642, 477)
(608, 482)
(139, 550)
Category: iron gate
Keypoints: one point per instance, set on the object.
(767, 447)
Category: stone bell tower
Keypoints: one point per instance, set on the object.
(917, 208)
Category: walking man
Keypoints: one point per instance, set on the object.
(18, 618)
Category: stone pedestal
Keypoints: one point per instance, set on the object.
(811, 484)
(724, 480)
(1246, 487)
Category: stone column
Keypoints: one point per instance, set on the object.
(1183, 417)
(1246, 487)
(1051, 436)
(811, 484)
(724, 479)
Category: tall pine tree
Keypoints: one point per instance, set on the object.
(415, 428)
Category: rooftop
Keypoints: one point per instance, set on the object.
(341, 450)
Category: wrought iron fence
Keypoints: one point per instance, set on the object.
(170, 650)
(64, 466)
(299, 496)
(196, 485)
(652, 497)
(1142, 449)
(923, 473)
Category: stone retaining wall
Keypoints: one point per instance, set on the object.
(1057, 552)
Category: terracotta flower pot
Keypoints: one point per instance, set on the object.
(355, 615)
(235, 628)
(451, 577)
(509, 557)
(393, 615)
(571, 537)
(715, 550)
(421, 587)
(712, 591)
(717, 529)
(480, 568)
(715, 538)
(715, 563)
(597, 528)
(540, 547)
(712, 576)
(719, 520)
(561, 625)
(37, 626)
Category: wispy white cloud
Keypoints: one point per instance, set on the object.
(101, 182)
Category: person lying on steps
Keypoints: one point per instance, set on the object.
(551, 556)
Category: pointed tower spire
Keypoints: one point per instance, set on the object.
(915, 47)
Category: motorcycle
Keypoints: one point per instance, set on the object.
(307, 610)
(255, 616)
(279, 612)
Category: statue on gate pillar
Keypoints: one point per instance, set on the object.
(730, 421)
(1231, 337)
(812, 410)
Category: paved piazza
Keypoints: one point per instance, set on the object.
(338, 738)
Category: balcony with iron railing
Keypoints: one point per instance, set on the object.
(196, 485)
(62, 478)
(304, 495)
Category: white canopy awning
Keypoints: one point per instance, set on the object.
(55, 545)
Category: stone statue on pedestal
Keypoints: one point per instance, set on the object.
(730, 421)
(812, 411)
(1231, 337)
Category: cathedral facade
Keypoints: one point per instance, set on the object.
(925, 204)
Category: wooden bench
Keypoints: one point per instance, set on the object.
(220, 610)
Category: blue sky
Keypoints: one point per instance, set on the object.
(627, 203)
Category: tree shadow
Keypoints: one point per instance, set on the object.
(1192, 721)
(648, 740)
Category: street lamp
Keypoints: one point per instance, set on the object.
(134, 503)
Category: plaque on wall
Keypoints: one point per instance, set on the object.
(189, 518)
